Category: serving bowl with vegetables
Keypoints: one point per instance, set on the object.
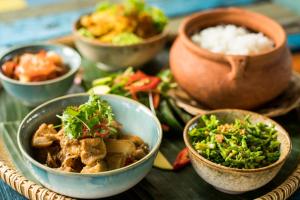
(44, 71)
(106, 144)
(117, 35)
(236, 151)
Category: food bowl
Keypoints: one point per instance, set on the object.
(231, 81)
(34, 93)
(234, 180)
(111, 57)
(135, 118)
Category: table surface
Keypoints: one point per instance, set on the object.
(6, 192)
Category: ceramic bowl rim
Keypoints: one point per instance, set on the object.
(229, 169)
(196, 48)
(100, 174)
(72, 70)
(161, 36)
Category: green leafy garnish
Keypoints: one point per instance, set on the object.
(126, 39)
(91, 119)
(84, 32)
(133, 6)
(167, 81)
(241, 144)
(103, 6)
(159, 18)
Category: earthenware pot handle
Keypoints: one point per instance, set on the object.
(238, 66)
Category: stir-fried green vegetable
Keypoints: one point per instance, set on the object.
(241, 144)
(91, 119)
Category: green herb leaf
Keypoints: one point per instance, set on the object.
(89, 118)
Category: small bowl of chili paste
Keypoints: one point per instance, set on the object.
(36, 73)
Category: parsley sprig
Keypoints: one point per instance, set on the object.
(91, 119)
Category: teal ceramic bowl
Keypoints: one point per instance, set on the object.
(135, 119)
(35, 93)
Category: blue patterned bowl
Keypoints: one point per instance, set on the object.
(135, 119)
(34, 93)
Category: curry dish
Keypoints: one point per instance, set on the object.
(99, 148)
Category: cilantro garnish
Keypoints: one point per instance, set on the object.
(91, 119)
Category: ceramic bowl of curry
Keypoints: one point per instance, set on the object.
(231, 81)
(136, 120)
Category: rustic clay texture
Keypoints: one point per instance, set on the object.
(230, 81)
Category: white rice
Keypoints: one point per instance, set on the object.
(231, 39)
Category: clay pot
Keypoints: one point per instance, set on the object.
(231, 81)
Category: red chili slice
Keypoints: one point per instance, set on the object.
(147, 84)
(165, 127)
(102, 135)
(84, 132)
(156, 100)
(136, 77)
(182, 159)
(141, 82)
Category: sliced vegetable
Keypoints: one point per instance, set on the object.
(149, 90)
(182, 115)
(168, 117)
(140, 82)
(100, 89)
(162, 162)
(156, 100)
(102, 81)
(182, 159)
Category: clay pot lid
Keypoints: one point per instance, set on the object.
(253, 21)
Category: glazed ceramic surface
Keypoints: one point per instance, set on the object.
(231, 180)
(112, 57)
(34, 93)
(231, 81)
(135, 118)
